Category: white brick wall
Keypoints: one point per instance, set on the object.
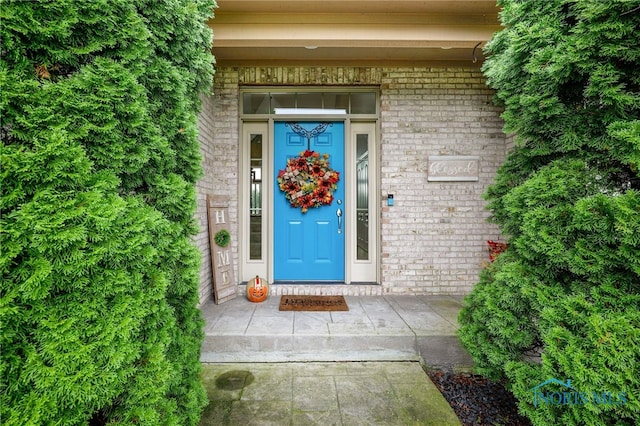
(219, 135)
(434, 237)
(205, 185)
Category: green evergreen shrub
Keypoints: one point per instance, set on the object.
(562, 302)
(99, 162)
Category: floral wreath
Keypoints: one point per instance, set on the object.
(308, 181)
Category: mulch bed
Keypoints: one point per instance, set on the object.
(478, 401)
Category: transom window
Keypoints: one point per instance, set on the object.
(354, 103)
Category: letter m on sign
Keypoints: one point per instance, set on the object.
(224, 258)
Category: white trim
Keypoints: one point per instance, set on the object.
(363, 270)
(309, 111)
(355, 270)
(270, 228)
(250, 268)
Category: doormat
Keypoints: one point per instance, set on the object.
(313, 303)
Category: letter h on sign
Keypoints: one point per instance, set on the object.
(219, 216)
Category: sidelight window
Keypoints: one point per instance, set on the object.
(255, 198)
(362, 196)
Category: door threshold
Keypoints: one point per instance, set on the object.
(353, 283)
(293, 282)
(322, 288)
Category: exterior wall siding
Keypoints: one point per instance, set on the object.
(206, 185)
(433, 240)
(218, 134)
(434, 237)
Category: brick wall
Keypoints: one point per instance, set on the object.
(205, 186)
(434, 237)
(218, 134)
(433, 240)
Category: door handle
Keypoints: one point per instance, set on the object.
(339, 214)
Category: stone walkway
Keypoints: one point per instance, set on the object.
(360, 367)
(336, 393)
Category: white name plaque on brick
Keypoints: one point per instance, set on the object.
(452, 168)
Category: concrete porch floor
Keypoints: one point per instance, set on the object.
(376, 328)
(360, 367)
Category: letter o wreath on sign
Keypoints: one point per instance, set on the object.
(308, 181)
(222, 238)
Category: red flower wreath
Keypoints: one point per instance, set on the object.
(308, 181)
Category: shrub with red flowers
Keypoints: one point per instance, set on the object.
(307, 181)
(495, 249)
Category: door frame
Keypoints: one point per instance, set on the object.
(356, 271)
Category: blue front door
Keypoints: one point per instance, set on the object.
(309, 246)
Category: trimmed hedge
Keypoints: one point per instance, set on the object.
(563, 301)
(99, 163)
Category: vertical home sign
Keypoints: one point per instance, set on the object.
(224, 284)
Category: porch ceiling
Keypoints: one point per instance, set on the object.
(352, 32)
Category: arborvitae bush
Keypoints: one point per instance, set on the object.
(99, 163)
(562, 302)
